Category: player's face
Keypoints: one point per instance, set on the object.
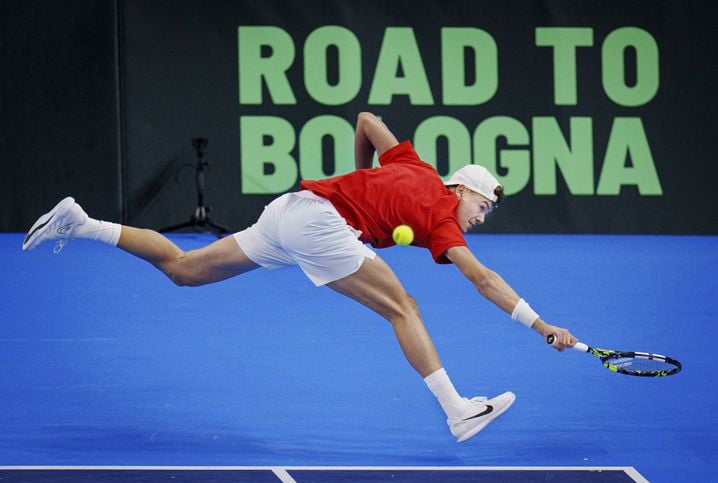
(473, 208)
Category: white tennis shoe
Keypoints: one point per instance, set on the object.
(56, 224)
(479, 413)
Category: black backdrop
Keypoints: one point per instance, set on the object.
(100, 99)
(58, 108)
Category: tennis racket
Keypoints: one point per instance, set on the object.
(631, 363)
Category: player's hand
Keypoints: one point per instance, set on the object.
(564, 338)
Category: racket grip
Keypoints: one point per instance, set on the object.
(580, 346)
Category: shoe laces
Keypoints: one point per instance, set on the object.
(58, 246)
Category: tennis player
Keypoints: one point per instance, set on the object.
(326, 228)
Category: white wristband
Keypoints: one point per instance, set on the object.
(524, 313)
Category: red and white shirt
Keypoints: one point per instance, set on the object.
(404, 190)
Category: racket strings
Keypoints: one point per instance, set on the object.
(642, 364)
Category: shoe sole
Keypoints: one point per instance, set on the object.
(30, 242)
(488, 420)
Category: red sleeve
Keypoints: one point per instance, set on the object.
(445, 236)
(401, 153)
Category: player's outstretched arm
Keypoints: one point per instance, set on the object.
(492, 286)
(371, 135)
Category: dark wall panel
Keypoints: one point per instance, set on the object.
(180, 82)
(100, 99)
(181, 66)
(58, 108)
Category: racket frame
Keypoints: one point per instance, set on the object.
(606, 355)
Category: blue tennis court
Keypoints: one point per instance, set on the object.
(107, 366)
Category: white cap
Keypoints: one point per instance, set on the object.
(476, 178)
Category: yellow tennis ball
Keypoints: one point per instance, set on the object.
(403, 235)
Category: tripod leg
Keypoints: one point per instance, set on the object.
(218, 229)
(200, 219)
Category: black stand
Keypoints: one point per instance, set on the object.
(200, 219)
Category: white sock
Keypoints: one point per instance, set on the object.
(102, 231)
(442, 387)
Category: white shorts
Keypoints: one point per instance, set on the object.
(304, 229)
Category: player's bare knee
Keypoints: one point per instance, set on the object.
(180, 279)
(412, 305)
(405, 311)
(179, 271)
(177, 277)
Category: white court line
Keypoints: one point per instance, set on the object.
(629, 470)
(283, 475)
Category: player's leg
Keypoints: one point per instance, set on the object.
(217, 261)
(318, 239)
(68, 221)
(376, 286)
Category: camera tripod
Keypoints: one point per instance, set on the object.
(200, 219)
